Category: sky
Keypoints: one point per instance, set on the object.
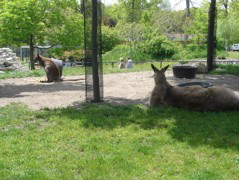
(176, 4)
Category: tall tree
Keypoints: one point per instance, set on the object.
(132, 9)
(225, 4)
(34, 22)
(228, 23)
(198, 25)
(211, 39)
(188, 7)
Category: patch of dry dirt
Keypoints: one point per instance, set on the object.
(125, 88)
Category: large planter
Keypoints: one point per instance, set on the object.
(184, 71)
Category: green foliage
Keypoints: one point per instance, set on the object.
(132, 9)
(228, 29)
(40, 22)
(125, 51)
(228, 24)
(117, 142)
(181, 52)
(233, 55)
(72, 56)
(190, 51)
(199, 25)
(226, 69)
(168, 22)
(222, 54)
(158, 47)
(115, 54)
(133, 33)
(69, 34)
(110, 39)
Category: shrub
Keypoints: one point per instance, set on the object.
(125, 51)
(158, 47)
(110, 39)
(190, 51)
(71, 55)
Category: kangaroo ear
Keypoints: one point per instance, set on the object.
(165, 68)
(154, 68)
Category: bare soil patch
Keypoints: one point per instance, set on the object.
(124, 88)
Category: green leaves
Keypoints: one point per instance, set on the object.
(158, 47)
(42, 19)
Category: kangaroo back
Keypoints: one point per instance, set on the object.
(162, 87)
(191, 97)
(51, 68)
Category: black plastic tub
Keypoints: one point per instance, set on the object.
(184, 71)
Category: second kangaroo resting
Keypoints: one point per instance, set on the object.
(191, 97)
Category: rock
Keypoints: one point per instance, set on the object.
(201, 67)
(8, 61)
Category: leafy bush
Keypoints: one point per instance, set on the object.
(158, 47)
(110, 39)
(125, 51)
(190, 51)
(71, 55)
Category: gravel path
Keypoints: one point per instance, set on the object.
(125, 88)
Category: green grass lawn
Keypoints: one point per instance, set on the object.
(118, 142)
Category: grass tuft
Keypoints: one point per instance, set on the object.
(226, 69)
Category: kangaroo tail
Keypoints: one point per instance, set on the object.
(79, 79)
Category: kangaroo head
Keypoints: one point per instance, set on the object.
(159, 76)
(39, 59)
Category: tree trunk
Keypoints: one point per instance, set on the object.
(211, 39)
(133, 11)
(96, 84)
(188, 7)
(31, 45)
(225, 4)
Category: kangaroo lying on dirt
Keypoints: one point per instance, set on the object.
(191, 97)
(52, 70)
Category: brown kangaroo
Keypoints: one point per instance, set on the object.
(52, 70)
(191, 97)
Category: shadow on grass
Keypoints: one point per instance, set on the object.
(217, 129)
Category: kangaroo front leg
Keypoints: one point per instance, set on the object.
(154, 101)
(49, 74)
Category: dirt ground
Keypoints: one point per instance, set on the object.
(125, 88)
